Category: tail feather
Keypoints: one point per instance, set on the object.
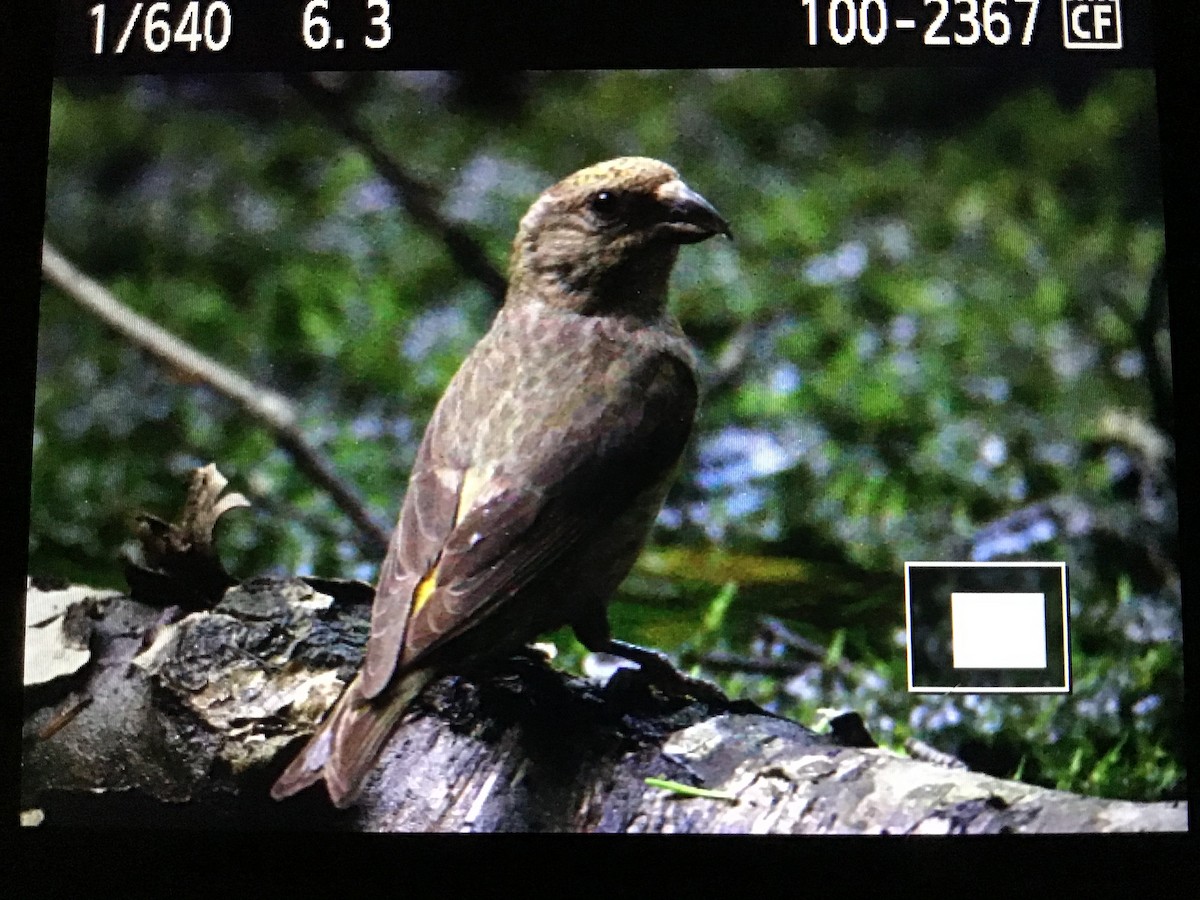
(344, 748)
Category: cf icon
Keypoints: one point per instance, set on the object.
(1091, 24)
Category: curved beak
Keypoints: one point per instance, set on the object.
(690, 218)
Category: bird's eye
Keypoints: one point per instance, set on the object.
(604, 204)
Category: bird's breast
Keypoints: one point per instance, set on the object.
(538, 380)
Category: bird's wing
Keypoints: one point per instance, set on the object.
(467, 542)
(426, 520)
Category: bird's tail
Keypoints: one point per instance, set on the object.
(345, 746)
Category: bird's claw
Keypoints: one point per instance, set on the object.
(662, 674)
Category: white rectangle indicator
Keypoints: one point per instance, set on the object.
(998, 630)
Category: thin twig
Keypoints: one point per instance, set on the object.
(800, 643)
(65, 714)
(272, 410)
(418, 198)
(918, 749)
(720, 661)
(733, 359)
(1149, 325)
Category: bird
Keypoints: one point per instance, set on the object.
(544, 464)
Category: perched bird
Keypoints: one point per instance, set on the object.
(545, 462)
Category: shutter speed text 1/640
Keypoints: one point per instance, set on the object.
(208, 26)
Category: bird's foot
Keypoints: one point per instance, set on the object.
(662, 674)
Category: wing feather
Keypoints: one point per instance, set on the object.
(426, 520)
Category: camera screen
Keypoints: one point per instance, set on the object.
(908, 501)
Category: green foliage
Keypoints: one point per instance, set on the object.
(931, 323)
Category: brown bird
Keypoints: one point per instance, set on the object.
(545, 462)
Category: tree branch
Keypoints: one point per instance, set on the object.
(193, 729)
(418, 198)
(270, 409)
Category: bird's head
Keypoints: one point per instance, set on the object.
(605, 238)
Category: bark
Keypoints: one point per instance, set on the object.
(136, 715)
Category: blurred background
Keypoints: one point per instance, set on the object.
(940, 333)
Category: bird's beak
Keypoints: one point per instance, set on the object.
(690, 218)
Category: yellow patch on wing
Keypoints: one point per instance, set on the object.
(473, 483)
(425, 589)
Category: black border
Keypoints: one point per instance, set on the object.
(184, 863)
